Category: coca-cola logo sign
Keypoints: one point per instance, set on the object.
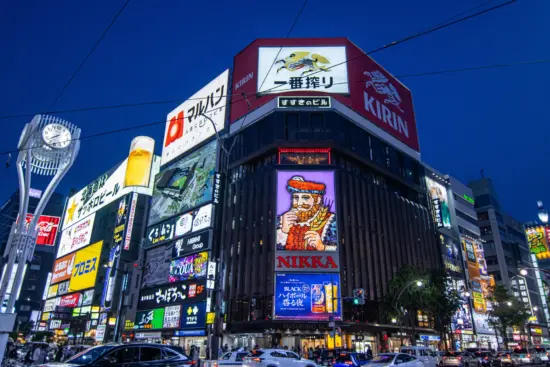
(46, 227)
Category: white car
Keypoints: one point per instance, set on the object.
(232, 358)
(276, 358)
(395, 359)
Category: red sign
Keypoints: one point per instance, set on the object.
(47, 229)
(373, 92)
(306, 262)
(70, 300)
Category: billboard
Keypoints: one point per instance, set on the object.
(152, 319)
(170, 294)
(63, 268)
(194, 243)
(284, 68)
(189, 267)
(481, 322)
(47, 227)
(306, 211)
(172, 317)
(184, 184)
(307, 297)
(85, 267)
(156, 269)
(440, 203)
(76, 236)
(461, 322)
(538, 239)
(185, 125)
(70, 300)
(193, 316)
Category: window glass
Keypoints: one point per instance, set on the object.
(256, 353)
(293, 355)
(240, 356)
(382, 358)
(361, 357)
(124, 355)
(226, 356)
(169, 354)
(150, 354)
(343, 358)
(278, 355)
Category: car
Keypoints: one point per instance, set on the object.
(540, 353)
(351, 359)
(232, 358)
(276, 358)
(129, 355)
(483, 359)
(457, 359)
(394, 359)
(424, 354)
(521, 356)
(503, 359)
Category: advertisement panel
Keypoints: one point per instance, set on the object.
(170, 294)
(189, 267)
(62, 268)
(160, 233)
(186, 127)
(70, 300)
(481, 322)
(440, 203)
(77, 236)
(193, 316)
(172, 316)
(452, 260)
(289, 68)
(300, 261)
(151, 319)
(538, 239)
(85, 267)
(190, 244)
(306, 212)
(52, 291)
(307, 297)
(193, 221)
(184, 184)
(47, 227)
(156, 269)
(461, 322)
(63, 287)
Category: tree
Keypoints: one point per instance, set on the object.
(507, 312)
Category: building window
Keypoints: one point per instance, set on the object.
(35, 267)
(25, 308)
(483, 216)
(486, 230)
(31, 287)
(466, 217)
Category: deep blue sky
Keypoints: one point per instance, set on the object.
(496, 120)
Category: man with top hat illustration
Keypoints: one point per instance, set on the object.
(309, 224)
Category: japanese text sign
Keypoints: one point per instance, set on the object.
(85, 267)
(193, 315)
(62, 268)
(172, 294)
(152, 319)
(76, 236)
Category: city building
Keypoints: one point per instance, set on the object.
(90, 290)
(29, 299)
(507, 252)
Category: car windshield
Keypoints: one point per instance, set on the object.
(452, 354)
(382, 358)
(343, 358)
(520, 351)
(483, 354)
(256, 353)
(89, 355)
(540, 350)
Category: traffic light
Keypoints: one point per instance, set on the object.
(358, 296)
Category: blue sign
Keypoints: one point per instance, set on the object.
(307, 297)
(193, 315)
(189, 332)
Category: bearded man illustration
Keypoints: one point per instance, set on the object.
(309, 224)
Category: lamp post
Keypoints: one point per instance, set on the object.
(543, 214)
(408, 285)
(48, 146)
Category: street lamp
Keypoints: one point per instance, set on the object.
(524, 271)
(509, 303)
(419, 284)
(543, 214)
(467, 294)
(535, 308)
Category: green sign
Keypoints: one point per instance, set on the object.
(151, 319)
(468, 199)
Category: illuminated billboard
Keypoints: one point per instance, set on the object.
(306, 211)
(85, 267)
(538, 239)
(189, 267)
(184, 184)
(63, 268)
(440, 203)
(77, 236)
(151, 319)
(461, 322)
(318, 68)
(307, 296)
(156, 269)
(186, 127)
(47, 227)
(170, 294)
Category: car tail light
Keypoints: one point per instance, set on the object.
(459, 358)
(444, 357)
(507, 356)
(333, 360)
(486, 358)
(528, 356)
(348, 362)
(257, 359)
(192, 362)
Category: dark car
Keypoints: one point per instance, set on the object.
(484, 358)
(129, 355)
(351, 359)
(327, 357)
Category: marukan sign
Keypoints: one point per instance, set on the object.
(46, 228)
(70, 300)
(306, 262)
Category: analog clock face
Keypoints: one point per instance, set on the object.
(56, 136)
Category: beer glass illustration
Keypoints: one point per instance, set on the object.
(317, 298)
(138, 168)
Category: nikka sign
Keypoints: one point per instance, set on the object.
(307, 262)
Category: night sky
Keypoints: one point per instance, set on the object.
(496, 119)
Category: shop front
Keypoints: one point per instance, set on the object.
(188, 338)
(431, 341)
(487, 341)
(397, 340)
(361, 343)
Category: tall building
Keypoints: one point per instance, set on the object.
(91, 284)
(29, 299)
(507, 252)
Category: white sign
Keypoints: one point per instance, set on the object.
(55, 324)
(172, 315)
(203, 218)
(45, 293)
(35, 193)
(100, 333)
(77, 236)
(87, 297)
(131, 217)
(211, 270)
(319, 69)
(186, 127)
(50, 304)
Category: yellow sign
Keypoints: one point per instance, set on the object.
(537, 237)
(52, 291)
(210, 316)
(536, 330)
(95, 308)
(45, 316)
(479, 302)
(85, 267)
(112, 321)
(128, 325)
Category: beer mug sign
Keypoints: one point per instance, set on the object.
(138, 169)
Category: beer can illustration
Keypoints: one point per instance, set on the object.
(329, 297)
(318, 298)
(138, 169)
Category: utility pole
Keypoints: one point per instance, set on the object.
(48, 146)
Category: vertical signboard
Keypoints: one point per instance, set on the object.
(538, 239)
(440, 203)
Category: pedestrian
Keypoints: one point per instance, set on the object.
(59, 354)
(310, 354)
(226, 348)
(369, 352)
